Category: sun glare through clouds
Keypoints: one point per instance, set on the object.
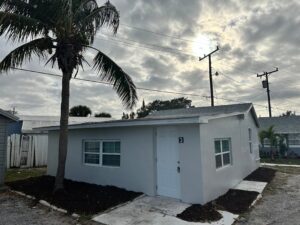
(202, 45)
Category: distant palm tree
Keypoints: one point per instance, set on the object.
(64, 30)
(270, 135)
(80, 111)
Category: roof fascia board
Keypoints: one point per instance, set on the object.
(8, 115)
(253, 113)
(224, 115)
(176, 121)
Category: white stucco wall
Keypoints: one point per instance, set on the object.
(137, 158)
(216, 182)
(199, 179)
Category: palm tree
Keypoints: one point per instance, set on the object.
(63, 30)
(80, 111)
(271, 136)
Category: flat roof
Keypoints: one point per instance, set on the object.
(173, 119)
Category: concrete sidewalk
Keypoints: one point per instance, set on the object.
(161, 210)
(154, 211)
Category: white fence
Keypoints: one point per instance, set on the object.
(27, 150)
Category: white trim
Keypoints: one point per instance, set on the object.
(223, 153)
(101, 153)
(250, 142)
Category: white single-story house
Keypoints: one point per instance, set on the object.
(5, 119)
(193, 154)
(288, 127)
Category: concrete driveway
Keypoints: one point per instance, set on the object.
(153, 211)
(280, 204)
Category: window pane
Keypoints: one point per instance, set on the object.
(111, 147)
(250, 134)
(217, 147)
(91, 147)
(226, 158)
(250, 146)
(91, 158)
(218, 161)
(225, 145)
(111, 160)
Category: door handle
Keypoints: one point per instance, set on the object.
(178, 169)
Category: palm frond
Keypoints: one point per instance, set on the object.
(110, 72)
(83, 5)
(90, 21)
(15, 6)
(19, 27)
(24, 52)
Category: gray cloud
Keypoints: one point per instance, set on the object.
(254, 36)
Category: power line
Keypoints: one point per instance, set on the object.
(146, 47)
(142, 88)
(106, 83)
(156, 33)
(149, 44)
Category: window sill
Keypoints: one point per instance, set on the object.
(223, 167)
(100, 166)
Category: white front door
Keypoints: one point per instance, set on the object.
(168, 165)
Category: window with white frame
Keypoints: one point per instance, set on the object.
(222, 152)
(102, 153)
(250, 140)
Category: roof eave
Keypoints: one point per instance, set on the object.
(129, 123)
(8, 115)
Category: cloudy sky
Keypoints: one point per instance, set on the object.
(159, 43)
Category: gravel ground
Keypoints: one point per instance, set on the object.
(280, 204)
(15, 210)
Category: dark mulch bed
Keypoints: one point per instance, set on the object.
(78, 197)
(236, 201)
(262, 174)
(200, 213)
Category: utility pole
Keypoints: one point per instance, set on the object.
(210, 74)
(265, 84)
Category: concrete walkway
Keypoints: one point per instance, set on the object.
(154, 211)
(246, 185)
(161, 210)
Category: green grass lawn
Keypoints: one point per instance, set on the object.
(281, 161)
(21, 174)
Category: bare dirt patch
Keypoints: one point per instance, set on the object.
(199, 213)
(236, 201)
(16, 210)
(78, 197)
(262, 174)
(280, 204)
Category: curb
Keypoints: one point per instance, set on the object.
(45, 203)
(282, 165)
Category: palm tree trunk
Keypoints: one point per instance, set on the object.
(63, 135)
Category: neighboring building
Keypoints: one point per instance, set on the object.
(194, 154)
(288, 127)
(28, 147)
(5, 119)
